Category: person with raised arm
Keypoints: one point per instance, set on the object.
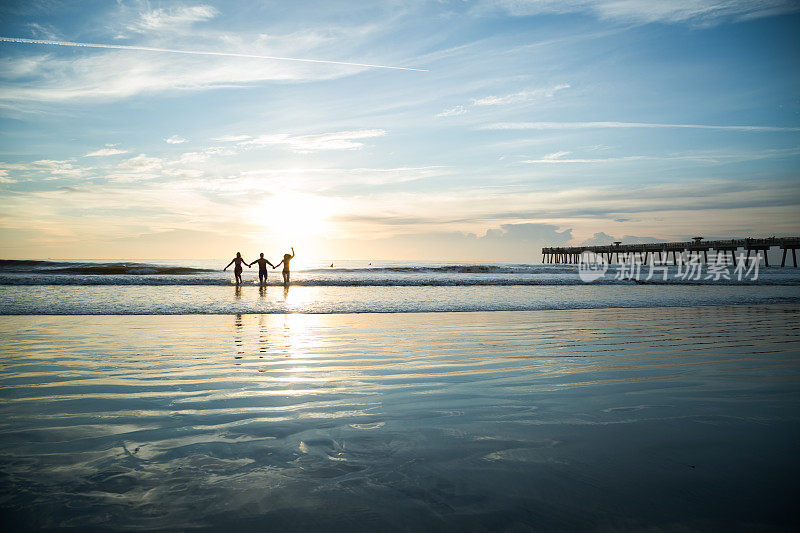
(285, 262)
(237, 270)
(262, 268)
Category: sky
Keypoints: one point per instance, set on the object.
(527, 123)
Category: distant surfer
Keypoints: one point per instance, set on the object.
(237, 270)
(262, 268)
(285, 262)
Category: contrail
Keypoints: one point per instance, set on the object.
(196, 52)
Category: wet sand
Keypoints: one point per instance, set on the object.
(604, 419)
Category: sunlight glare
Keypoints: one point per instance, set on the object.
(295, 220)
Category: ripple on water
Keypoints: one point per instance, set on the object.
(371, 421)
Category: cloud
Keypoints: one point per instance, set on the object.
(453, 111)
(521, 96)
(192, 157)
(175, 139)
(120, 72)
(615, 125)
(466, 209)
(330, 180)
(633, 239)
(598, 239)
(44, 30)
(172, 19)
(140, 167)
(342, 140)
(508, 99)
(105, 151)
(709, 158)
(184, 51)
(695, 12)
(141, 163)
(232, 138)
(554, 156)
(603, 239)
(47, 169)
(511, 242)
(529, 232)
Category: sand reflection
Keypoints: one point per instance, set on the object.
(409, 419)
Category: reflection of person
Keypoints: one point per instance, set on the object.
(237, 270)
(262, 267)
(285, 262)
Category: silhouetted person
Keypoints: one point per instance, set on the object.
(262, 268)
(285, 262)
(237, 270)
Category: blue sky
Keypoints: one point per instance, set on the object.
(534, 123)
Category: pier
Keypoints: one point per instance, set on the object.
(660, 252)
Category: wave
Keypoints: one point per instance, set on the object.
(447, 269)
(364, 282)
(129, 268)
(20, 272)
(274, 282)
(96, 269)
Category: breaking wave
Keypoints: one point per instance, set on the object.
(94, 269)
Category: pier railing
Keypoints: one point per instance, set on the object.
(644, 252)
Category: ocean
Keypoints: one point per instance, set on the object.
(201, 287)
(156, 395)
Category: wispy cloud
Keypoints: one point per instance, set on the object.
(558, 157)
(199, 52)
(47, 169)
(232, 138)
(169, 19)
(140, 167)
(341, 140)
(698, 12)
(603, 125)
(555, 155)
(453, 111)
(521, 96)
(44, 30)
(175, 139)
(602, 238)
(508, 99)
(105, 151)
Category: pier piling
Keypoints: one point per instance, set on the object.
(693, 248)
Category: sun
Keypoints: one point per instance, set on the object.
(295, 219)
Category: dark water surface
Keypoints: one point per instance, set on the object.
(607, 419)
